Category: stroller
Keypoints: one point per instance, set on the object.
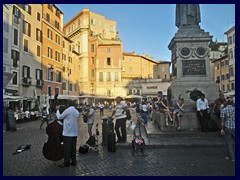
(138, 142)
(91, 144)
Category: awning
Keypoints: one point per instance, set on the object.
(13, 98)
(134, 97)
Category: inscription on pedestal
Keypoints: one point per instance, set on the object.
(194, 67)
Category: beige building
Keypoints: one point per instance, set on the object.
(96, 40)
(30, 56)
(231, 56)
(12, 46)
(221, 73)
(216, 50)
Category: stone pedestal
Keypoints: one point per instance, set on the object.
(191, 64)
(191, 69)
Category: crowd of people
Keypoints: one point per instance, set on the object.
(68, 117)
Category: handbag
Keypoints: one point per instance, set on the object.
(128, 114)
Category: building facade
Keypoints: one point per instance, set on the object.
(231, 55)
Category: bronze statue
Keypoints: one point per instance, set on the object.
(187, 15)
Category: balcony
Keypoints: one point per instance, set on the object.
(39, 83)
(26, 81)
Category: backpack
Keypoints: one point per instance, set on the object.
(128, 114)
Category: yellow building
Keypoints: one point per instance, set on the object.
(52, 47)
(136, 66)
(96, 40)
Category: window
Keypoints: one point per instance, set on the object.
(38, 74)
(230, 40)
(26, 28)
(58, 13)
(92, 47)
(38, 51)
(57, 56)
(70, 87)
(64, 57)
(28, 9)
(25, 45)
(38, 16)
(15, 78)
(232, 86)
(70, 59)
(49, 52)
(223, 87)
(228, 87)
(218, 66)
(49, 91)
(50, 73)
(63, 44)
(100, 76)
(26, 71)
(226, 63)
(49, 34)
(75, 87)
(222, 63)
(231, 54)
(231, 72)
(48, 17)
(58, 76)
(5, 45)
(108, 76)
(108, 61)
(222, 77)
(50, 7)
(5, 22)
(218, 79)
(108, 50)
(57, 24)
(64, 86)
(39, 35)
(92, 72)
(57, 39)
(116, 76)
(15, 55)
(227, 76)
(15, 40)
(56, 90)
(92, 60)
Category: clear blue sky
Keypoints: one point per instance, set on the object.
(149, 28)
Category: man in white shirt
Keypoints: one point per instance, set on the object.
(202, 112)
(70, 118)
(120, 115)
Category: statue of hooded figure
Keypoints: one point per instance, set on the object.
(187, 15)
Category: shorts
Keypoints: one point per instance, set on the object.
(179, 112)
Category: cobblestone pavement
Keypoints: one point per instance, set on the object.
(182, 161)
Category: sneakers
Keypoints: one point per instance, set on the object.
(166, 123)
(179, 128)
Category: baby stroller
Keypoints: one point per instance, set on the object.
(91, 144)
(138, 142)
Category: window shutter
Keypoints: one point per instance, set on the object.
(28, 72)
(41, 72)
(23, 71)
(29, 29)
(36, 73)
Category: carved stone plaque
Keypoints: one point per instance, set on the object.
(194, 67)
